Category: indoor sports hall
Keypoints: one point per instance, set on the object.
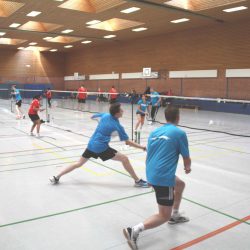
(70, 61)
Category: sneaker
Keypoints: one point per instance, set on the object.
(38, 135)
(150, 123)
(31, 134)
(54, 180)
(131, 237)
(42, 121)
(142, 183)
(178, 219)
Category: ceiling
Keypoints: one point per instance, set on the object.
(59, 15)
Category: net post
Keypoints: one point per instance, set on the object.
(132, 108)
(46, 108)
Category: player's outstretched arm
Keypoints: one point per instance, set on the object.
(135, 145)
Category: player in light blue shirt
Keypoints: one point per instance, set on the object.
(16, 93)
(142, 111)
(155, 102)
(98, 146)
(165, 144)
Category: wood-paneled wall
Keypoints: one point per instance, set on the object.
(44, 67)
(220, 46)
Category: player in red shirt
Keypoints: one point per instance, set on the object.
(33, 114)
(113, 95)
(81, 96)
(48, 95)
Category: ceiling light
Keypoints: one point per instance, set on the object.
(109, 36)
(130, 10)
(20, 48)
(93, 22)
(34, 13)
(2, 33)
(68, 46)
(47, 38)
(139, 29)
(14, 25)
(87, 42)
(27, 65)
(53, 50)
(11, 41)
(180, 20)
(235, 9)
(67, 31)
(32, 43)
(115, 24)
(35, 48)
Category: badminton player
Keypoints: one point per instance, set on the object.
(165, 144)
(16, 93)
(141, 112)
(33, 115)
(98, 146)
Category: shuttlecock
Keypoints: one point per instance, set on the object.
(211, 122)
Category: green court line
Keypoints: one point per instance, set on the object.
(215, 210)
(73, 210)
(111, 201)
(52, 164)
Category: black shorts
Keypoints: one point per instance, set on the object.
(105, 155)
(140, 113)
(164, 195)
(19, 103)
(81, 100)
(34, 117)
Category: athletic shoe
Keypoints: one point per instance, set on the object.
(131, 237)
(150, 123)
(42, 121)
(175, 219)
(31, 134)
(141, 183)
(38, 135)
(54, 180)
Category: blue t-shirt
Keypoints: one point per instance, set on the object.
(142, 105)
(107, 125)
(155, 98)
(165, 144)
(17, 95)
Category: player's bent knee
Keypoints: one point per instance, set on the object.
(180, 185)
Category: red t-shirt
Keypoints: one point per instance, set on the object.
(48, 94)
(82, 95)
(113, 93)
(35, 104)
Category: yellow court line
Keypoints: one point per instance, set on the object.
(67, 160)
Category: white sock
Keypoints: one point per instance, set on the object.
(138, 228)
(175, 212)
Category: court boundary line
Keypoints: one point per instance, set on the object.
(211, 234)
(74, 210)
